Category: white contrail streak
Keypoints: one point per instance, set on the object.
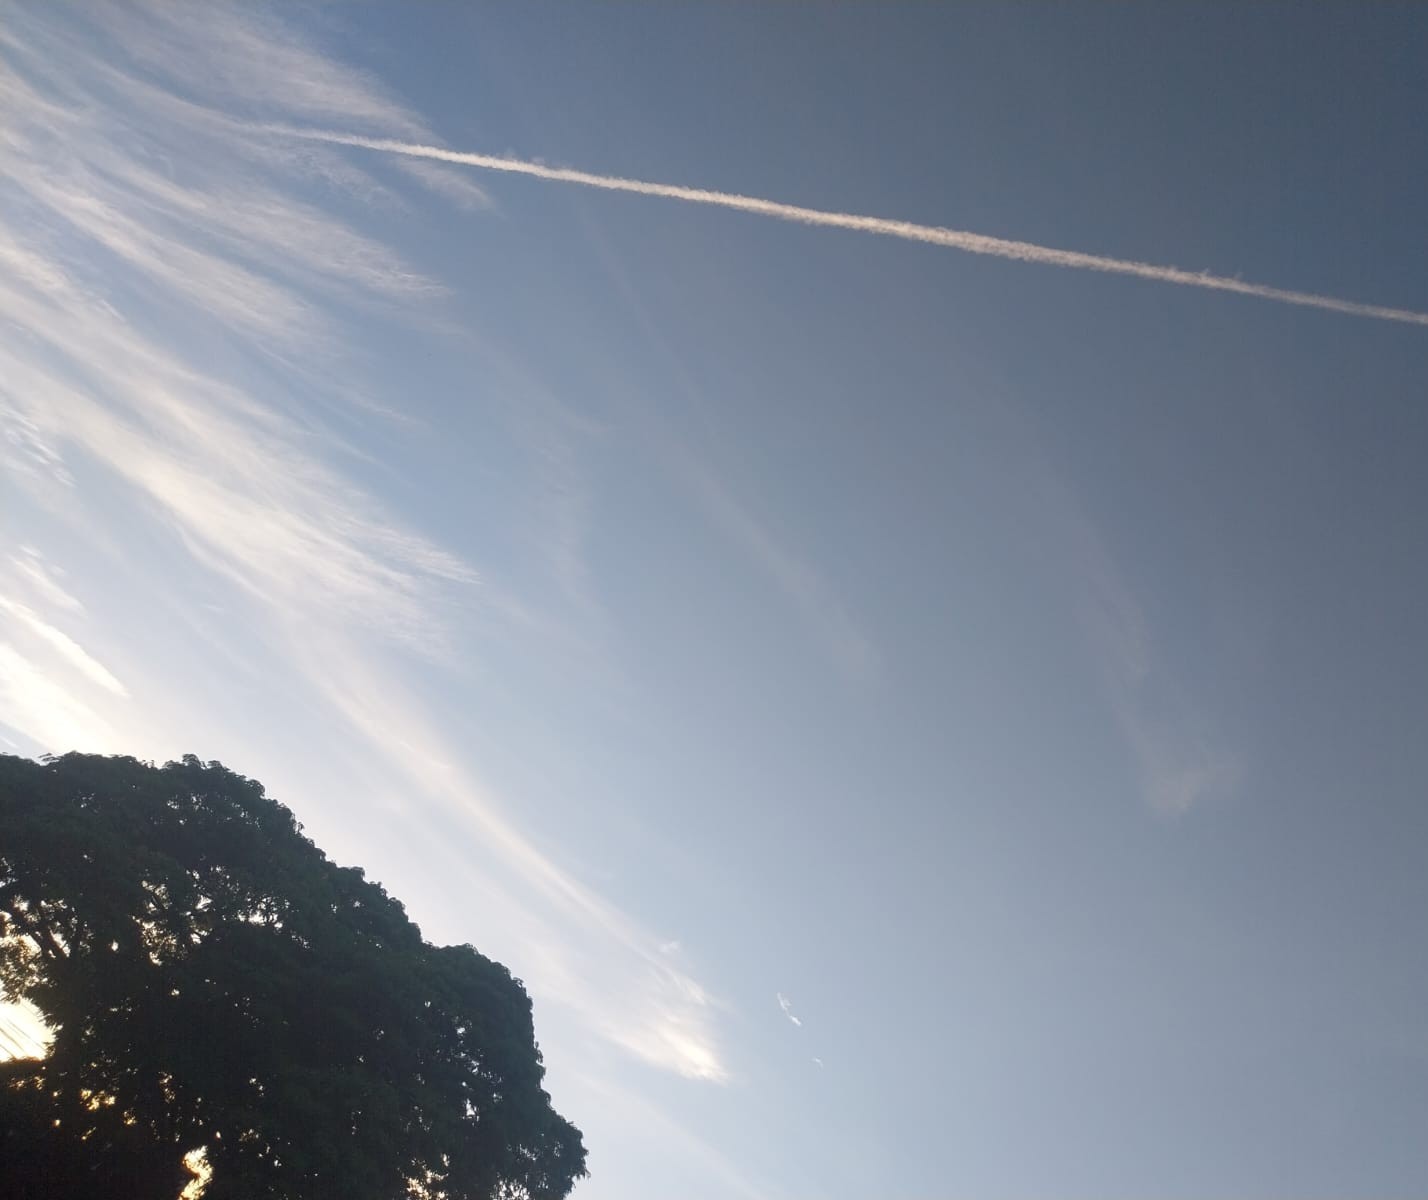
(932, 235)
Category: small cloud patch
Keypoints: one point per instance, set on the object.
(787, 1008)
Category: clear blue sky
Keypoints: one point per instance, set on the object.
(1020, 671)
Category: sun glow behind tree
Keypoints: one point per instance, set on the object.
(228, 1004)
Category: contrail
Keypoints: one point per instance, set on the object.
(932, 235)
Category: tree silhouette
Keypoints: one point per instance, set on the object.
(214, 983)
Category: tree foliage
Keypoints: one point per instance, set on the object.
(214, 982)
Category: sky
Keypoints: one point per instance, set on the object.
(921, 724)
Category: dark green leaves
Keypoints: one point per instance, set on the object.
(213, 981)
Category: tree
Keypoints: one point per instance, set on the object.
(215, 984)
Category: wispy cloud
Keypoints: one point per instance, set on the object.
(588, 955)
(805, 587)
(54, 690)
(931, 235)
(40, 576)
(450, 185)
(1179, 757)
(787, 1008)
(826, 615)
(179, 355)
(65, 646)
(46, 709)
(248, 59)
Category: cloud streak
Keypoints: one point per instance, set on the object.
(932, 235)
(64, 645)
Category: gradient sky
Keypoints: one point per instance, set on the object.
(920, 725)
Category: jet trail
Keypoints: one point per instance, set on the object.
(932, 235)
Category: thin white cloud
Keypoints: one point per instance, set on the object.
(215, 70)
(669, 1042)
(932, 235)
(249, 504)
(46, 710)
(65, 646)
(449, 184)
(26, 449)
(287, 235)
(234, 294)
(248, 59)
(787, 1008)
(39, 575)
(149, 188)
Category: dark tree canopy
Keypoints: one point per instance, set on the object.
(214, 982)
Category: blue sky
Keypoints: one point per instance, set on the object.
(1014, 674)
